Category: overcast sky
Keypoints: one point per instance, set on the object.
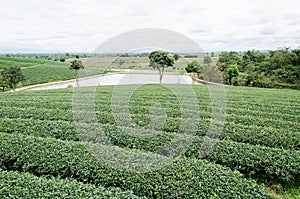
(82, 25)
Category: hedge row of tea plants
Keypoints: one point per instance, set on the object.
(15, 184)
(257, 135)
(184, 178)
(124, 136)
(65, 113)
(249, 159)
(253, 160)
(252, 132)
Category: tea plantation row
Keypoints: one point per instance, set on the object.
(185, 178)
(15, 184)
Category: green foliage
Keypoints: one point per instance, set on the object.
(250, 59)
(296, 60)
(3, 85)
(26, 185)
(254, 161)
(232, 71)
(39, 71)
(13, 76)
(279, 68)
(260, 137)
(121, 62)
(228, 58)
(194, 67)
(159, 60)
(76, 65)
(176, 56)
(190, 56)
(53, 71)
(6, 62)
(253, 116)
(188, 178)
(48, 72)
(290, 193)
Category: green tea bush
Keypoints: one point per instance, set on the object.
(25, 185)
(255, 161)
(185, 178)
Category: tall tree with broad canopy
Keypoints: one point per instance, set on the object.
(76, 65)
(13, 76)
(159, 60)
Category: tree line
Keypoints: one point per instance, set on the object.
(278, 68)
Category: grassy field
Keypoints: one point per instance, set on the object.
(257, 154)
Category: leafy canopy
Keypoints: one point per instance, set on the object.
(194, 67)
(160, 58)
(12, 76)
(176, 56)
(232, 71)
(76, 65)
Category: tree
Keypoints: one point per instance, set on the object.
(251, 57)
(12, 76)
(228, 58)
(76, 65)
(176, 56)
(159, 60)
(232, 71)
(296, 61)
(194, 67)
(77, 56)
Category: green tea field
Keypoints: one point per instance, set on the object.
(38, 71)
(257, 153)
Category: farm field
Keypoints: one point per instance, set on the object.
(256, 155)
(150, 100)
(38, 71)
(6, 62)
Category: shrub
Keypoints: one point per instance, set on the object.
(276, 165)
(26, 185)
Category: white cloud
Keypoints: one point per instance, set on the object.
(81, 25)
